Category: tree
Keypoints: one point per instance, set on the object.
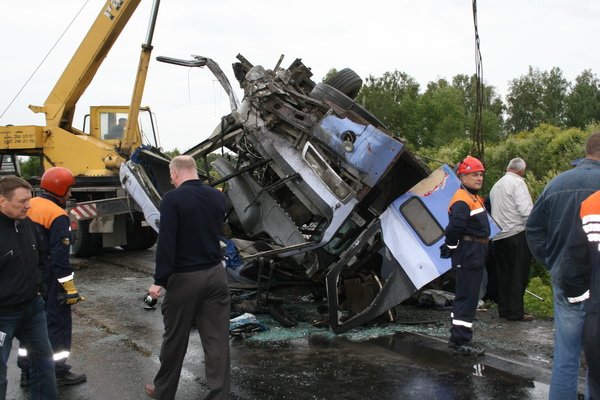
(31, 167)
(548, 151)
(330, 74)
(172, 153)
(493, 107)
(393, 98)
(583, 103)
(554, 97)
(442, 114)
(536, 98)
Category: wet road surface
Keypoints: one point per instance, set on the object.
(116, 342)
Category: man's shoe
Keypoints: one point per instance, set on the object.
(467, 349)
(69, 378)
(24, 379)
(526, 318)
(150, 390)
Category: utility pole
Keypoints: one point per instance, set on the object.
(477, 137)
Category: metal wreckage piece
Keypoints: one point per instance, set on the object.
(317, 188)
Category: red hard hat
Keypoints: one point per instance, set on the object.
(468, 165)
(57, 180)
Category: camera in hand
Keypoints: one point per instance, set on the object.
(149, 301)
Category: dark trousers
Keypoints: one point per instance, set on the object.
(28, 325)
(203, 297)
(491, 289)
(468, 262)
(512, 262)
(591, 330)
(60, 330)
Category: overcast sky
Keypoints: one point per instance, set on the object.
(427, 39)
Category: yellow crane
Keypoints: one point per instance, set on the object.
(94, 157)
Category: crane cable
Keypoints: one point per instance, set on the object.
(43, 60)
(477, 137)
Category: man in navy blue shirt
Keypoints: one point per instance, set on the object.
(188, 266)
(554, 217)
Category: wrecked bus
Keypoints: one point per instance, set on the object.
(317, 189)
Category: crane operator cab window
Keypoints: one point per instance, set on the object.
(112, 125)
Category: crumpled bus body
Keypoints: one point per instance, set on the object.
(318, 189)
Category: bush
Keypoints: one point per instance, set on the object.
(540, 286)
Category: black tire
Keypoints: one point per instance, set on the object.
(139, 237)
(325, 92)
(346, 81)
(86, 244)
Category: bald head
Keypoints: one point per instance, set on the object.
(183, 168)
(592, 146)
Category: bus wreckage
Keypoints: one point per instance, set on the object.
(317, 189)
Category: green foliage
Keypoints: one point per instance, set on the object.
(393, 99)
(540, 308)
(583, 103)
(536, 98)
(205, 165)
(330, 74)
(31, 167)
(443, 113)
(450, 153)
(548, 151)
(172, 153)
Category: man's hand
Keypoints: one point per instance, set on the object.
(69, 295)
(155, 291)
(445, 251)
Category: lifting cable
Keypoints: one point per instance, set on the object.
(477, 137)
(44, 59)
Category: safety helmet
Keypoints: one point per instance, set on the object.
(57, 180)
(468, 165)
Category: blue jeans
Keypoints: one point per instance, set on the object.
(28, 324)
(568, 342)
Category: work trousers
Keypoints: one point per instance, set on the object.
(568, 343)
(512, 258)
(201, 297)
(28, 325)
(591, 332)
(60, 331)
(468, 262)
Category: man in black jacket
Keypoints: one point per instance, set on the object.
(188, 265)
(22, 313)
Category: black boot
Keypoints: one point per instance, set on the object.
(69, 378)
(467, 349)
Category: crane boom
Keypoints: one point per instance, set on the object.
(62, 100)
(94, 156)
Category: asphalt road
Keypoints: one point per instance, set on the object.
(116, 342)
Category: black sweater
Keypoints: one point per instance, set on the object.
(20, 264)
(191, 221)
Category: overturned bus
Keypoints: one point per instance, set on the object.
(317, 189)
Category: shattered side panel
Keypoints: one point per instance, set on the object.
(421, 266)
(421, 261)
(373, 151)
